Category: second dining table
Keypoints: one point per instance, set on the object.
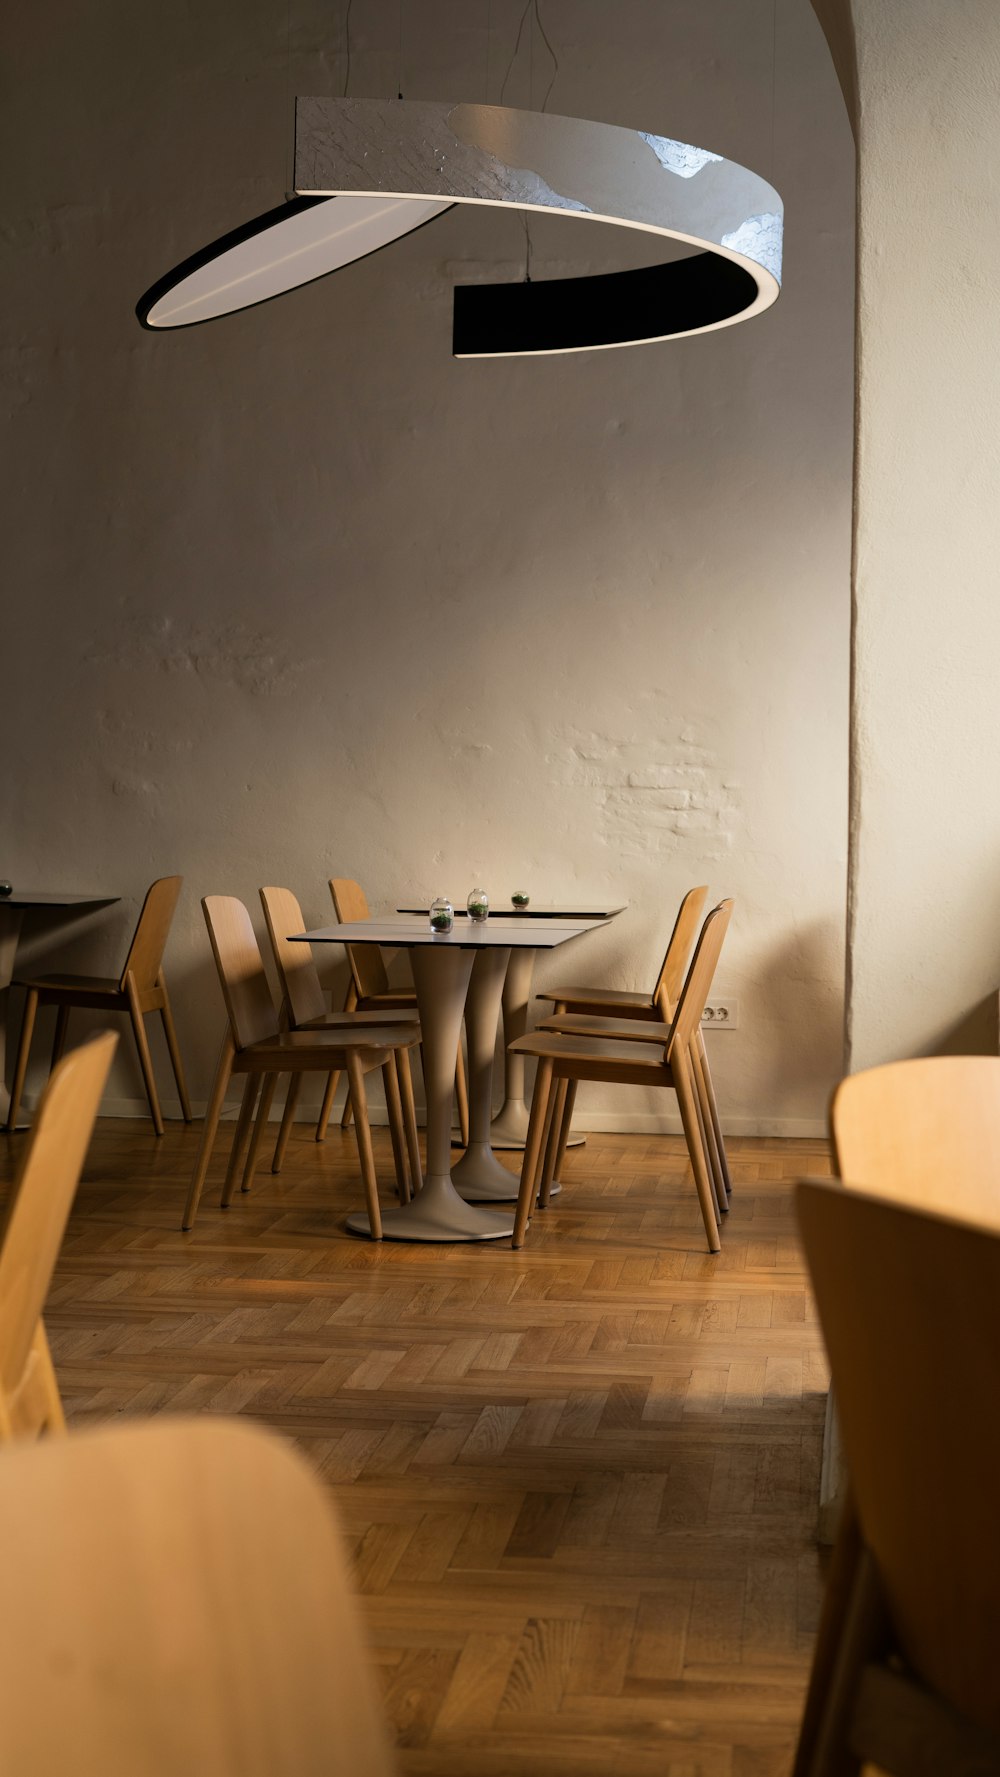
(458, 972)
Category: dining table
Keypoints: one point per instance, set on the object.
(509, 1128)
(457, 973)
(13, 908)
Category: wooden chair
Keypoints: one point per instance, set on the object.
(304, 1008)
(613, 1002)
(254, 1045)
(574, 1058)
(909, 1303)
(177, 1602)
(924, 1134)
(141, 988)
(639, 1018)
(369, 991)
(36, 1219)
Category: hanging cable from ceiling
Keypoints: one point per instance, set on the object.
(347, 47)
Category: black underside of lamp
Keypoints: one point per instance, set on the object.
(610, 309)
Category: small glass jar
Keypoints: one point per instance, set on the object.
(478, 905)
(442, 915)
(519, 900)
(6, 888)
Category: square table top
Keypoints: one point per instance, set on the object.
(568, 908)
(30, 898)
(495, 933)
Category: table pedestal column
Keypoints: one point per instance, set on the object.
(509, 1128)
(10, 931)
(441, 975)
(479, 1175)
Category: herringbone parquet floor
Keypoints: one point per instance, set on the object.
(580, 1481)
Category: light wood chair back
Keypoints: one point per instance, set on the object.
(698, 985)
(910, 1309)
(33, 1231)
(297, 970)
(670, 980)
(145, 956)
(926, 1132)
(367, 967)
(252, 1015)
(151, 1627)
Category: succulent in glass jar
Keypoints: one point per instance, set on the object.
(6, 888)
(519, 899)
(478, 905)
(442, 914)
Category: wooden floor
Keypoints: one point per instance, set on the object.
(580, 1481)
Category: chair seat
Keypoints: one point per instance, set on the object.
(404, 1000)
(591, 1051)
(321, 1048)
(73, 984)
(362, 1020)
(632, 1030)
(604, 998)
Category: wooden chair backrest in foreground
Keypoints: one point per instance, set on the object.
(177, 1603)
(926, 1132)
(367, 967)
(909, 1304)
(39, 1208)
(300, 982)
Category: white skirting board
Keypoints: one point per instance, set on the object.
(593, 1122)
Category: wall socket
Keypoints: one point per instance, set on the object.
(721, 1015)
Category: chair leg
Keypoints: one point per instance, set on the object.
(259, 1129)
(145, 1059)
(690, 1118)
(212, 1114)
(564, 1129)
(174, 1050)
(528, 1189)
(287, 1121)
(555, 1122)
(350, 1003)
(55, 1418)
(713, 1110)
(394, 1107)
(240, 1135)
(59, 1040)
(23, 1050)
(327, 1106)
(359, 1100)
(862, 1634)
(462, 1095)
(709, 1143)
(409, 1119)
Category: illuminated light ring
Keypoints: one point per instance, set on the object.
(297, 243)
(595, 172)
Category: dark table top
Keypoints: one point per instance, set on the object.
(34, 898)
(494, 932)
(567, 908)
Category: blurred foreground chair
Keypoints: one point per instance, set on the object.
(369, 991)
(140, 988)
(925, 1132)
(638, 1019)
(39, 1207)
(254, 1045)
(177, 1604)
(905, 1673)
(304, 1008)
(571, 1058)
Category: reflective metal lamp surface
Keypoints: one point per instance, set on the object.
(370, 170)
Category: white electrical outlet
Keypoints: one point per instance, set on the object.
(721, 1015)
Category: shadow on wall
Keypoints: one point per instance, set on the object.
(798, 1015)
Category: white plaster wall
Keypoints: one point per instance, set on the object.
(295, 593)
(925, 950)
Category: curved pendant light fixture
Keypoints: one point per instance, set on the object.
(298, 242)
(368, 171)
(595, 172)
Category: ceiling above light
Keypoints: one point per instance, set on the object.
(369, 170)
